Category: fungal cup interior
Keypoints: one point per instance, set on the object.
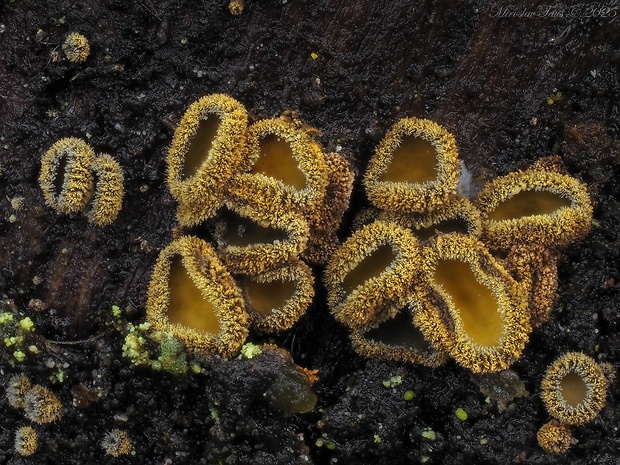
(201, 144)
(413, 161)
(369, 267)
(188, 307)
(473, 301)
(573, 388)
(263, 298)
(276, 160)
(528, 203)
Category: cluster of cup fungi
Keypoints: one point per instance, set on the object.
(426, 275)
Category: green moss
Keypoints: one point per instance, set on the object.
(26, 324)
(249, 351)
(429, 434)
(461, 414)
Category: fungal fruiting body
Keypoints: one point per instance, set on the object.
(536, 268)
(397, 338)
(66, 178)
(368, 276)
(251, 240)
(325, 221)
(286, 168)
(415, 167)
(16, 391)
(469, 306)
(72, 176)
(26, 441)
(554, 437)
(574, 389)
(116, 443)
(456, 215)
(76, 47)
(207, 149)
(275, 299)
(192, 296)
(535, 206)
(108, 199)
(41, 405)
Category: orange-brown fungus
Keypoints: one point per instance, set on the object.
(265, 297)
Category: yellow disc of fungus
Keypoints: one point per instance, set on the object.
(574, 389)
(277, 298)
(109, 191)
(207, 149)
(415, 167)
(251, 241)
(369, 275)
(469, 306)
(192, 296)
(534, 206)
(287, 169)
(66, 179)
(398, 339)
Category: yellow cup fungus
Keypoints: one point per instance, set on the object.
(277, 298)
(456, 215)
(286, 168)
(41, 405)
(325, 220)
(192, 296)
(398, 339)
(66, 177)
(72, 176)
(207, 149)
(26, 441)
(536, 206)
(369, 275)
(108, 199)
(116, 443)
(76, 47)
(16, 391)
(574, 389)
(415, 167)
(535, 267)
(554, 437)
(469, 306)
(251, 240)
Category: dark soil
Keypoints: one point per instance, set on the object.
(511, 86)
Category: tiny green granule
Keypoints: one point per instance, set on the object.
(461, 414)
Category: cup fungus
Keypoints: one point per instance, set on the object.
(41, 405)
(192, 296)
(325, 220)
(415, 167)
(277, 298)
(66, 178)
(469, 306)
(535, 206)
(574, 389)
(398, 339)
(116, 443)
(554, 437)
(252, 240)
(457, 215)
(536, 268)
(207, 149)
(287, 169)
(369, 275)
(76, 47)
(108, 198)
(26, 441)
(16, 391)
